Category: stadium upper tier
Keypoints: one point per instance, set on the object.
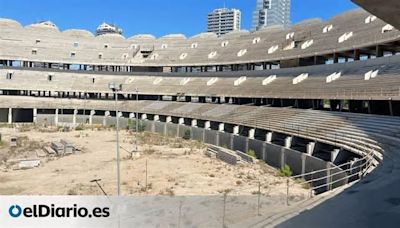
(375, 79)
(345, 35)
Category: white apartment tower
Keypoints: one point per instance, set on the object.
(222, 21)
(271, 13)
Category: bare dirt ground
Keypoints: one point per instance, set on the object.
(174, 167)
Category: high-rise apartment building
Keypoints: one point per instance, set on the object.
(222, 21)
(271, 13)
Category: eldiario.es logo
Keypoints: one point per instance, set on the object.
(43, 211)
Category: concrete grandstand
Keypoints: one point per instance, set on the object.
(321, 96)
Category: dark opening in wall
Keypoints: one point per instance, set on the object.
(22, 115)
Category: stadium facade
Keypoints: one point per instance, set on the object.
(321, 96)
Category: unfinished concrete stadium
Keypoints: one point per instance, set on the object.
(321, 97)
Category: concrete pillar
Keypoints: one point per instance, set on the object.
(221, 127)
(144, 117)
(181, 121)
(9, 116)
(334, 154)
(288, 142)
(236, 130)
(156, 118)
(169, 119)
(268, 137)
(56, 117)
(303, 163)
(92, 113)
(310, 148)
(252, 133)
(131, 115)
(74, 117)
(207, 125)
(194, 123)
(35, 115)
(106, 114)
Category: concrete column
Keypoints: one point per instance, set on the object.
(303, 163)
(334, 154)
(221, 127)
(268, 137)
(310, 148)
(169, 119)
(207, 125)
(217, 139)
(156, 118)
(106, 114)
(56, 117)
(288, 142)
(194, 123)
(131, 115)
(144, 116)
(236, 130)
(92, 113)
(35, 115)
(74, 117)
(181, 121)
(252, 133)
(9, 116)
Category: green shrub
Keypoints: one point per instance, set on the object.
(129, 125)
(251, 153)
(286, 171)
(141, 125)
(186, 135)
(79, 128)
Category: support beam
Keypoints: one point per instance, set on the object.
(156, 118)
(56, 118)
(252, 133)
(106, 114)
(268, 137)
(74, 117)
(207, 125)
(334, 154)
(35, 115)
(194, 123)
(9, 116)
(181, 121)
(92, 113)
(288, 142)
(168, 119)
(236, 130)
(144, 116)
(221, 127)
(310, 148)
